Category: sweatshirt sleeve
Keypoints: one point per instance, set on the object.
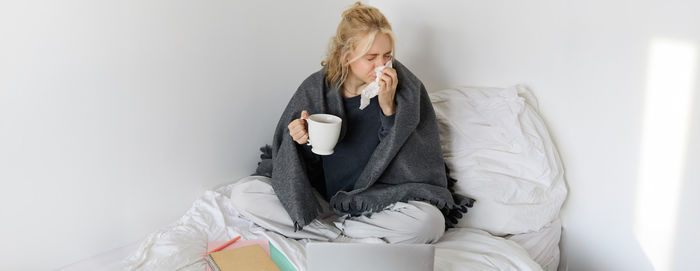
(386, 124)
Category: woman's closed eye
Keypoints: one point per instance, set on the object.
(372, 57)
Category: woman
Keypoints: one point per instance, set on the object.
(386, 180)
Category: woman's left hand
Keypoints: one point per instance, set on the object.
(387, 91)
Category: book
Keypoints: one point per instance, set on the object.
(275, 254)
(279, 259)
(251, 257)
(241, 243)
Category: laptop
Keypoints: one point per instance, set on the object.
(369, 257)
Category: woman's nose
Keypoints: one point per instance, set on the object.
(379, 62)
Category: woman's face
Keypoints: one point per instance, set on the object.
(378, 55)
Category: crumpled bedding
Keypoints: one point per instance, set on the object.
(180, 246)
(542, 245)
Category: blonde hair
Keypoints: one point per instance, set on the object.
(357, 21)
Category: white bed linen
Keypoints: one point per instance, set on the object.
(474, 249)
(543, 245)
(180, 246)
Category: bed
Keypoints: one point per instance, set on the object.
(496, 145)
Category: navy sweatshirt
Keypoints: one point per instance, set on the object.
(339, 171)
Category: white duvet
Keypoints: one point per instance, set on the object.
(179, 246)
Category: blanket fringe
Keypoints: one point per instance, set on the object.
(462, 203)
(265, 165)
(453, 210)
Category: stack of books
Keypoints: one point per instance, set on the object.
(257, 254)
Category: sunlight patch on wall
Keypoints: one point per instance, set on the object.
(668, 98)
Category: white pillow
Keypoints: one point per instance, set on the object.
(500, 152)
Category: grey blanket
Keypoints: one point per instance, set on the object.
(406, 165)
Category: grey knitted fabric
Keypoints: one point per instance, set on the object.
(406, 165)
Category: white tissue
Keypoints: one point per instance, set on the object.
(373, 88)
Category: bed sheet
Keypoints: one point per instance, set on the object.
(542, 245)
(179, 246)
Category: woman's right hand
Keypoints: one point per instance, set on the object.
(297, 128)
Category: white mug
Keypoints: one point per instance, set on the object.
(324, 130)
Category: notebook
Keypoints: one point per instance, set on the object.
(276, 255)
(241, 243)
(251, 257)
(369, 257)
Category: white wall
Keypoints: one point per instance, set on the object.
(116, 115)
(618, 84)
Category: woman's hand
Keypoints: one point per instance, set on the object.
(297, 128)
(387, 91)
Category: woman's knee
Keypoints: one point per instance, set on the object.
(431, 222)
(250, 191)
(418, 223)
